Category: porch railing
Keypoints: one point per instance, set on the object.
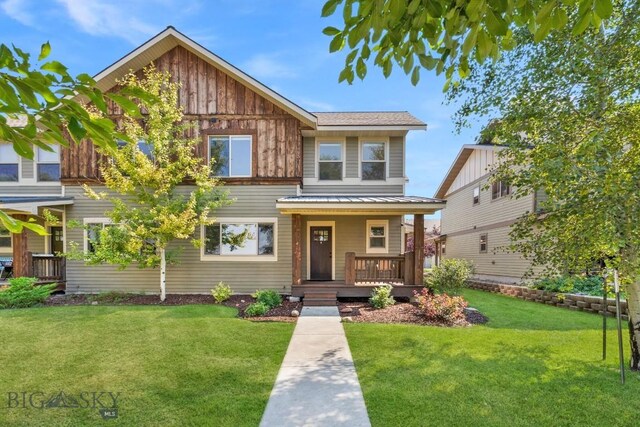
(377, 269)
(47, 268)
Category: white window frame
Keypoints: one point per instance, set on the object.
(377, 223)
(486, 243)
(331, 224)
(231, 154)
(85, 235)
(36, 162)
(19, 181)
(361, 142)
(235, 258)
(474, 195)
(500, 195)
(343, 144)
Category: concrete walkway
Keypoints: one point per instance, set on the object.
(317, 384)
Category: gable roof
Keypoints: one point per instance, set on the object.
(369, 118)
(170, 38)
(458, 163)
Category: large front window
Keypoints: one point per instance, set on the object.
(8, 163)
(230, 156)
(330, 161)
(241, 239)
(49, 164)
(374, 161)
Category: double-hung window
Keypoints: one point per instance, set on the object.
(49, 164)
(374, 161)
(484, 242)
(230, 156)
(476, 195)
(8, 163)
(242, 239)
(330, 161)
(92, 229)
(500, 189)
(377, 236)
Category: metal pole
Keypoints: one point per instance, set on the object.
(616, 283)
(604, 316)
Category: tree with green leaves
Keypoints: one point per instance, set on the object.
(447, 36)
(144, 177)
(567, 112)
(49, 104)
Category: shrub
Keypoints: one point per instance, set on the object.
(586, 285)
(23, 292)
(256, 309)
(450, 276)
(268, 297)
(381, 297)
(221, 292)
(111, 297)
(441, 307)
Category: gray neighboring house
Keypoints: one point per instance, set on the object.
(476, 222)
(322, 194)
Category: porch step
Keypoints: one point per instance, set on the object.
(320, 298)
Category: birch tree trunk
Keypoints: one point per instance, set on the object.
(633, 304)
(163, 275)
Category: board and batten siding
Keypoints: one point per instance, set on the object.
(350, 236)
(477, 165)
(191, 275)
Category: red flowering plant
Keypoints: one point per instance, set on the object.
(441, 307)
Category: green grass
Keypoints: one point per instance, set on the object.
(531, 365)
(187, 365)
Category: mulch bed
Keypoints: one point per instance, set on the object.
(401, 312)
(241, 302)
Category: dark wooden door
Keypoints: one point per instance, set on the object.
(320, 248)
(56, 242)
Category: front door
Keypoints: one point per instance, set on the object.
(320, 248)
(56, 242)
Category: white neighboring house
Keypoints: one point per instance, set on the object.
(477, 219)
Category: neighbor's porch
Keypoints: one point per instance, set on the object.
(346, 246)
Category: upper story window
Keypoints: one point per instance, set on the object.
(377, 236)
(500, 189)
(230, 156)
(374, 161)
(484, 242)
(220, 239)
(49, 164)
(9, 163)
(143, 146)
(330, 161)
(476, 195)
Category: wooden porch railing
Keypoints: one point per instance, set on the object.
(47, 268)
(383, 268)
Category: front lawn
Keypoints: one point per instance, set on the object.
(530, 365)
(184, 365)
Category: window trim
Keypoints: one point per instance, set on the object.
(377, 223)
(20, 180)
(367, 140)
(37, 162)
(235, 258)
(85, 235)
(500, 196)
(249, 135)
(486, 243)
(476, 203)
(343, 144)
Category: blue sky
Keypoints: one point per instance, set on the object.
(279, 42)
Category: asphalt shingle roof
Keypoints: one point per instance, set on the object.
(368, 118)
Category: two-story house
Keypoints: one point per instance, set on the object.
(478, 216)
(322, 194)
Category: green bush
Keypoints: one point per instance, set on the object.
(381, 297)
(256, 309)
(586, 285)
(450, 276)
(23, 292)
(111, 297)
(221, 292)
(268, 297)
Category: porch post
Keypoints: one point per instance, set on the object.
(20, 249)
(296, 241)
(418, 248)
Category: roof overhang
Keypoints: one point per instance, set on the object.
(31, 205)
(358, 205)
(170, 38)
(361, 128)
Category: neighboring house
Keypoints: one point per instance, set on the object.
(478, 216)
(430, 225)
(321, 193)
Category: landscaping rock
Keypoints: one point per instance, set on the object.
(295, 313)
(346, 310)
(294, 299)
(94, 302)
(347, 319)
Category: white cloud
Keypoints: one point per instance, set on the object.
(314, 105)
(263, 66)
(17, 9)
(99, 18)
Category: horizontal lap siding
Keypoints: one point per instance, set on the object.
(396, 157)
(191, 275)
(351, 162)
(309, 154)
(381, 189)
(350, 236)
(28, 167)
(30, 190)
